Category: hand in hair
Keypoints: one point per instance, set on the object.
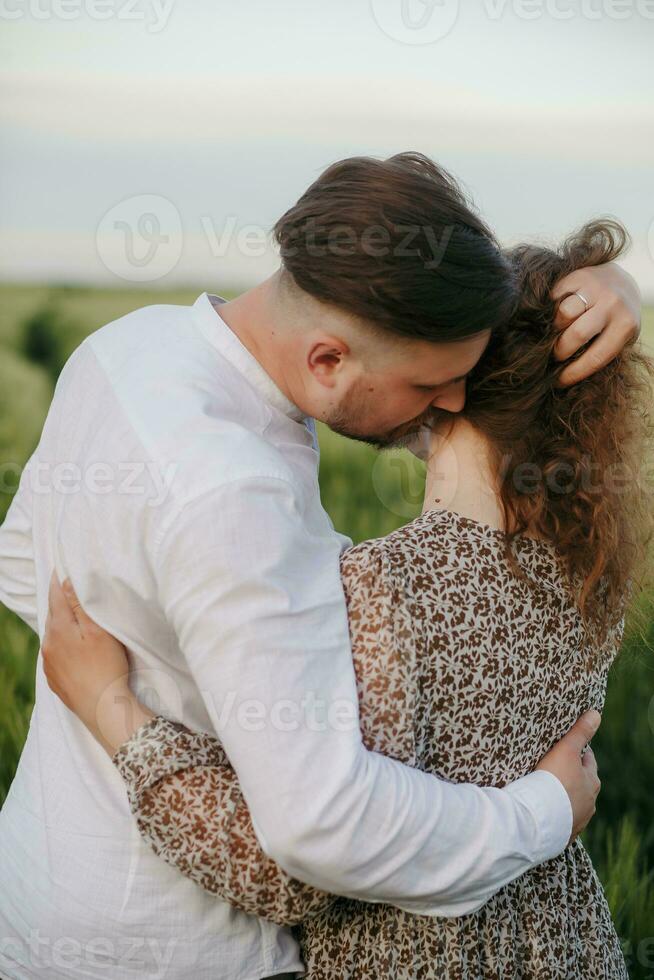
(612, 317)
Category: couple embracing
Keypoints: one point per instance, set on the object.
(364, 761)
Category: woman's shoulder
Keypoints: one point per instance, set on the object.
(418, 541)
(441, 546)
(431, 533)
(365, 564)
(389, 562)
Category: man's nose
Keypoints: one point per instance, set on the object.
(451, 399)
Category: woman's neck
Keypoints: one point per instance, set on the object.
(459, 476)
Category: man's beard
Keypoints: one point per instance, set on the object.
(346, 422)
(395, 439)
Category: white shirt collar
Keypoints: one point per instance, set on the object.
(222, 337)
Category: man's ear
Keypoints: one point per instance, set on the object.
(326, 360)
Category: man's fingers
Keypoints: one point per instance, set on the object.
(584, 729)
(58, 605)
(569, 284)
(600, 353)
(589, 762)
(579, 332)
(568, 310)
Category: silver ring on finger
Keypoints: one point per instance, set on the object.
(583, 299)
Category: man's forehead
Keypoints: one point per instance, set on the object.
(436, 364)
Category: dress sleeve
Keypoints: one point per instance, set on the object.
(384, 648)
(189, 808)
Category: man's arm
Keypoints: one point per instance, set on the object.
(256, 600)
(182, 791)
(17, 571)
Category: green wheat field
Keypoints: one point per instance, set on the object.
(366, 494)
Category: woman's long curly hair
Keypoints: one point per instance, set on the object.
(573, 465)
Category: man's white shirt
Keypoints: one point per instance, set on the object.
(178, 488)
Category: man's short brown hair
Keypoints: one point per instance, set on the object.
(396, 243)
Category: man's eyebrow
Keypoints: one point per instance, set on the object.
(461, 377)
(450, 381)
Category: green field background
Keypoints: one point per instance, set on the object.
(367, 494)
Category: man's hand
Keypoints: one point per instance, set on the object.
(613, 317)
(578, 775)
(88, 669)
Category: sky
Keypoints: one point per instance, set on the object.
(157, 141)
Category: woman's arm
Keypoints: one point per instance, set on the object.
(183, 792)
(189, 807)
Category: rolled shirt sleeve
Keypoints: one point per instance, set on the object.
(254, 594)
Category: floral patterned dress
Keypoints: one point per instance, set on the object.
(466, 670)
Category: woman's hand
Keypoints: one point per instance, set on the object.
(612, 317)
(88, 669)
